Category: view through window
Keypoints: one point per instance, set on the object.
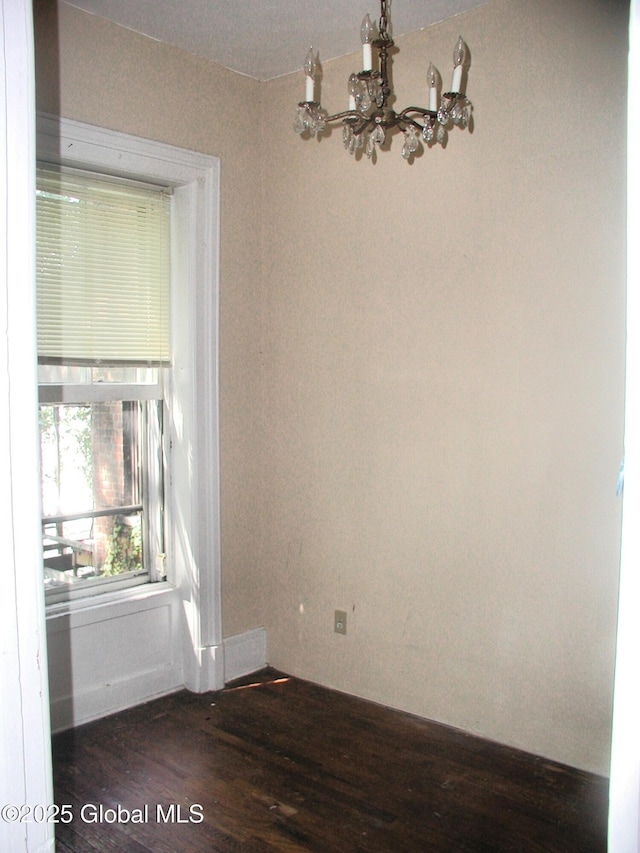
(97, 498)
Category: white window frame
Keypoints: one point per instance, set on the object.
(192, 427)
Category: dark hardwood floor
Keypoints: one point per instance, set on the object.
(289, 766)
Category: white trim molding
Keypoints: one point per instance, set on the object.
(244, 653)
(624, 787)
(25, 771)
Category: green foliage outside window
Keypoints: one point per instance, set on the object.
(124, 553)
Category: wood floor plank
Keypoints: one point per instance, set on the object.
(278, 764)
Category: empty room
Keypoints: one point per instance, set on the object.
(318, 356)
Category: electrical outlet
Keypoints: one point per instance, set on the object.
(340, 622)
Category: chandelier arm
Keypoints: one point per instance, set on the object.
(350, 116)
(355, 120)
(420, 111)
(364, 124)
(403, 122)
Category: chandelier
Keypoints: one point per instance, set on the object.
(369, 116)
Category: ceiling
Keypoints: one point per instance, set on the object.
(267, 38)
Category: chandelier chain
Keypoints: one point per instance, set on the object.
(384, 20)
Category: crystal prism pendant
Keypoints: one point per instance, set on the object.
(411, 142)
(428, 132)
(466, 114)
(299, 124)
(370, 145)
(378, 135)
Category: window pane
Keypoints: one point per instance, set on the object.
(71, 549)
(93, 459)
(66, 459)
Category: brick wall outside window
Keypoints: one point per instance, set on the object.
(109, 483)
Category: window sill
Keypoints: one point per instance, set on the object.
(134, 595)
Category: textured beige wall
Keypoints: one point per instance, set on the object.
(421, 365)
(443, 347)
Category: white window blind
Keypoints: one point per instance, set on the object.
(102, 261)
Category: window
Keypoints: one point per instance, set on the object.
(103, 272)
(190, 410)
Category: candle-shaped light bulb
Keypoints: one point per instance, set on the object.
(310, 72)
(460, 53)
(433, 79)
(460, 56)
(366, 35)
